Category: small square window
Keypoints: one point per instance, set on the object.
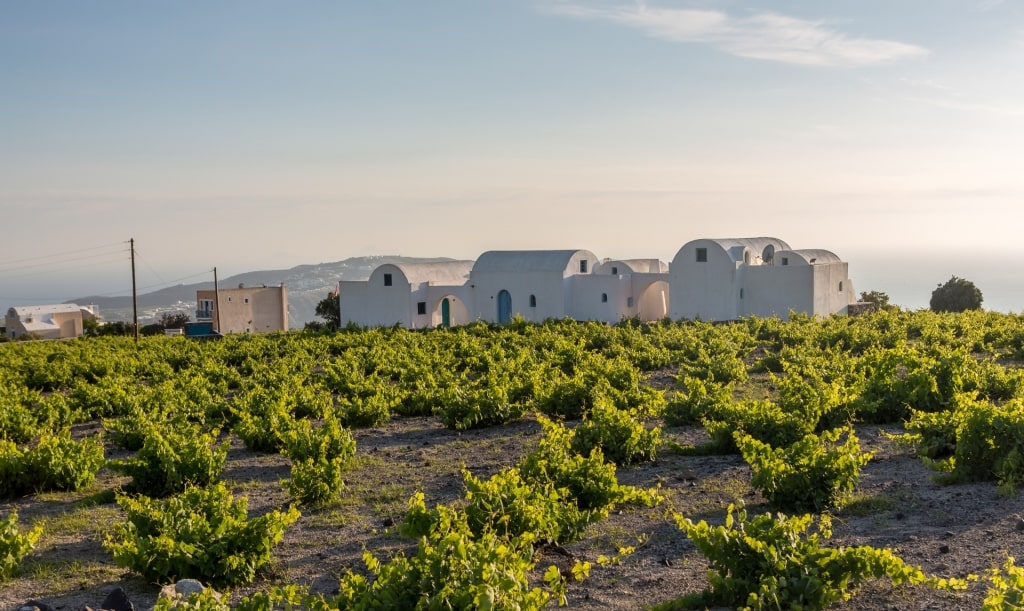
(604, 297)
(421, 307)
(533, 301)
(785, 260)
(629, 302)
(702, 255)
(615, 271)
(583, 266)
(246, 300)
(387, 279)
(229, 300)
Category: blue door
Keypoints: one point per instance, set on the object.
(504, 306)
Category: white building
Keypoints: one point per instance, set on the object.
(534, 284)
(708, 279)
(732, 278)
(413, 295)
(58, 321)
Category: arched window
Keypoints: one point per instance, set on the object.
(604, 297)
(840, 286)
(533, 301)
(741, 293)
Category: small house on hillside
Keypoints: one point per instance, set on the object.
(59, 321)
(244, 310)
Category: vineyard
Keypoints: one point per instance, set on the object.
(850, 463)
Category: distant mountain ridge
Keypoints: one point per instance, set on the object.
(307, 285)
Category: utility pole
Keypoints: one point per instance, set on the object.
(135, 297)
(216, 298)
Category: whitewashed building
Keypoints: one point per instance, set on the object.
(412, 295)
(57, 321)
(534, 284)
(708, 279)
(726, 279)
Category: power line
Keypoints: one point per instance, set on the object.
(64, 265)
(61, 254)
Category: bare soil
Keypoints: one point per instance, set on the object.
(951, 531)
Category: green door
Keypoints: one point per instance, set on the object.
(446, 313)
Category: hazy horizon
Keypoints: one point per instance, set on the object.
(907, 279)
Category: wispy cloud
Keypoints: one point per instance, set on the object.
(765, 36)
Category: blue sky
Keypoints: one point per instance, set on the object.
(254, 134)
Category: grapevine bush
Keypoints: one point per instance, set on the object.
(172, 459)
(621, 437)
(813, 474)
(15, 545)
(774, 562)
(57, 462)
(202, 533)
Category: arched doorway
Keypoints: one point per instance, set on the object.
(446, 313)
(504, 306)
(653, 303)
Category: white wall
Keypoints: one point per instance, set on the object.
(586, 292)
(828, 298)
(708, 290)
(548, 287)
(774, 290)
(369, 303)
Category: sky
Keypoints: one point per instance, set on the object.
(264, 134)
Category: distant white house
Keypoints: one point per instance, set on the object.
(708, 279)
(57, 321)
(726, 279)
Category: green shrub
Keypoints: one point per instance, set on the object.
(990, 444)
(700, 399)
(57, 462)
(203, 534)
(772, 562)
(590, 480)
(1007, 590)
(479, 406)
(14, 545)
(316, 481)
(508, 506)
(762, 420)
(328, 441)
(812, 474)
(372, 410)
(621, 437)
(452, 569)
(172, 459)
(263, 418)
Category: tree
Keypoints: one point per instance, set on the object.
(329, 309)
(880, 299)
(956, 295)
(173, 320)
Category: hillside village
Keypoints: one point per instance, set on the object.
(710, 279)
